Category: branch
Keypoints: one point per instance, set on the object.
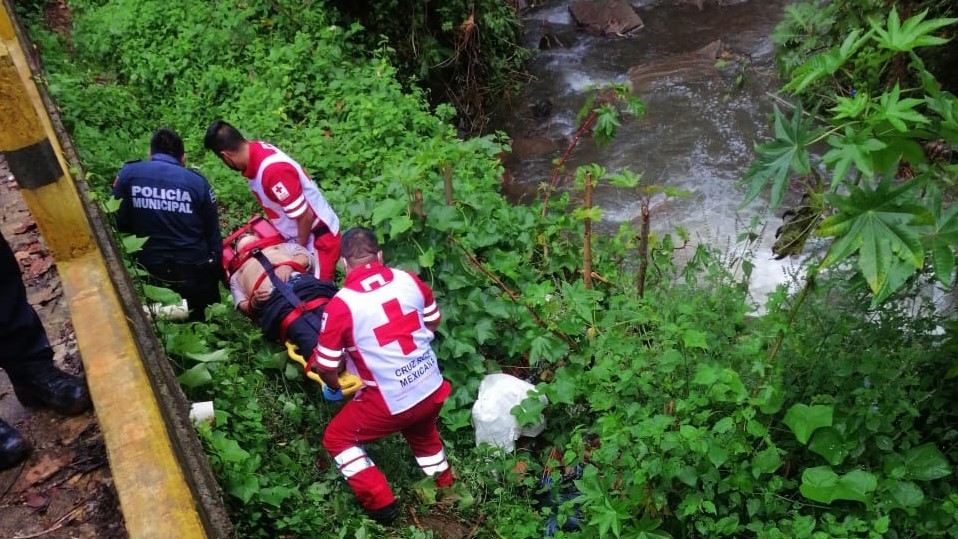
(512, 295)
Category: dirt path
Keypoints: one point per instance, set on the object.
(64, 490)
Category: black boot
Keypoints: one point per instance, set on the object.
(48, 387)
(13, 446)
(385, 515)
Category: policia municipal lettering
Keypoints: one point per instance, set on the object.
(175, 200)
(175, 208)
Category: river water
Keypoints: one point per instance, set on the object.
(698, 131)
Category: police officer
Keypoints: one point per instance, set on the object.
(175, 208)
(26, 356)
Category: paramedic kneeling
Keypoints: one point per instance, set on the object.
(174, 208)
(255, 295)
(291, 200)
(384, 318)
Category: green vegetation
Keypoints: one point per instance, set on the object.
(826, 417)
(886, 184)
(466, 53)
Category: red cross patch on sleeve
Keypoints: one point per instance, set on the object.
(280, 191)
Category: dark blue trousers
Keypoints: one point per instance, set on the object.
(301, 332)
(23, 341)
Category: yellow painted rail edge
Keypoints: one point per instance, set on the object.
(161, 475)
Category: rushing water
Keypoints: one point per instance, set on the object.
(698, 131)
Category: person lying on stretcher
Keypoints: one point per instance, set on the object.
(293, 314)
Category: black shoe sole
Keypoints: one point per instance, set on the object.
(77, 407)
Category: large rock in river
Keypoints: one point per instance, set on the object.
(606, 17)
(678, 68)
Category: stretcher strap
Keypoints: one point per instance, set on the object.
(286, 290)
(291, 263)
(298, 311)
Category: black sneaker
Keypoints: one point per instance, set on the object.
(49, 387)
(13, 446)
(385, 515)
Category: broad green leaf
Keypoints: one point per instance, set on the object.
(707, 374)
(769, 399)
(897, 111)
(898, 146)
(648, 528)
(925, 463)
(427, 258)
(915, 32)
(529, 411)
(563, 388)
(625, 179)
(292, 371)
(399, 224)
(851, 107)
(766, 461)
(856, 147)
(161, 295)
(855, 485)
(723, 425)
(484, 330)
(881, 226)
(803, 420)
(826, 63)
(445, 218)
(693, 338)
(547, 347)
(821, 484)
(608, 519)
(942, 237)
(946, 106)
(828, 443)
(607, 121)
(228, 449)
(219, 355)
(718, 455)
(387, 210)
(275, 496)
(244, 487)
(635, 106)
(196, 376)
(943, 261)
(906, 494)
(780, 157)
(112, 204)
(594, 213)
(132, 244)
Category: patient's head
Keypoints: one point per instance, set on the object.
(244, 243)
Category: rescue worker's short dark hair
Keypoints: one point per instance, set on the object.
(222, 136)
(166, 141)
(358, 243)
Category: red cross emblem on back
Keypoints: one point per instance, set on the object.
(399, 327)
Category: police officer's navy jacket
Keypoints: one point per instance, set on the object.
(171, 205)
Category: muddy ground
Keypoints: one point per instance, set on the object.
(64, 490)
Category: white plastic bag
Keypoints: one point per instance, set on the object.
(492, 412)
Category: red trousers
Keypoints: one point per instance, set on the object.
(327, 255)
(366, 418)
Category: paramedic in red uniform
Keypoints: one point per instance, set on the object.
(384, 319)
(289, 198)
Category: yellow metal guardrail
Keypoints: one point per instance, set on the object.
(157, 491)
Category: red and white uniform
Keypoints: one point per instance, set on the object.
(285, 192)
(384, 319)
